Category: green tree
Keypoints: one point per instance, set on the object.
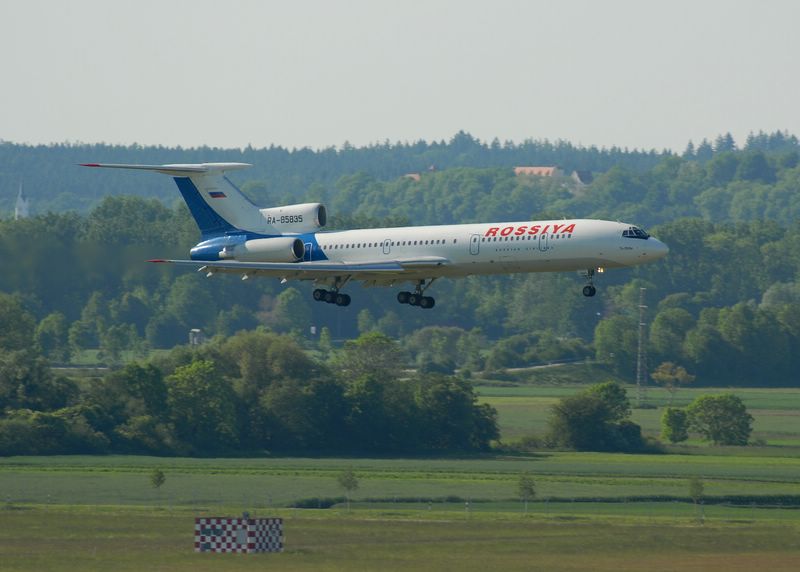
(27, 382)
(753, 166)
(667, 333)
(450, 417)
(16, 325)
(236, 319)
(722, 419)
(157, 478)
(615, 398)
(366, 321)
(292, 312)
(144, 382)
(52, 335)
(672, 377)
(709, 354)
(674, 425)
(116, 339)
(580, 422)
(325, 343)
(371, 354)
(594, 420)
(190, 302)
(202, 407)
(616, 343)
(349, 482)
(526, 488)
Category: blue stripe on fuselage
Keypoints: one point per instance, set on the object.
(210, 248)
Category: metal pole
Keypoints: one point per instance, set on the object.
(641, 358)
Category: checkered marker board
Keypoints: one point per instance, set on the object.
(244, 535)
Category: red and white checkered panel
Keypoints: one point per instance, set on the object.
(245, 535)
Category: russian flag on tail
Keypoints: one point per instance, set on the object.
(216, 194)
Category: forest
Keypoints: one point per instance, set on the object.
(724, 304)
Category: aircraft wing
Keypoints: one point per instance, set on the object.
(371, 273)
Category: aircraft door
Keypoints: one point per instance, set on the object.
(387, 246)
(543, 242)
(475, 244)
(307, 255)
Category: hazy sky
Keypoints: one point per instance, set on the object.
(302, 73)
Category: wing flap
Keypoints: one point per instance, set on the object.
(369, 270)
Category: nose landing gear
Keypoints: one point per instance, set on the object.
(589, 290)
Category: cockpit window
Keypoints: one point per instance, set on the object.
(635, 232)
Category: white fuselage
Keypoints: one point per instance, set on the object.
(495, 248)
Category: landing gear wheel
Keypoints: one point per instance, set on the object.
(403, 297)
(589, 291)
(427, 302)
(342, 300)
(330, 297)
(414, 299)
(319, 294)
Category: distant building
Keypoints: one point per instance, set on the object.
(196, 337)
(22, 208)
(538, 172)
(412, 176)
(582, 177)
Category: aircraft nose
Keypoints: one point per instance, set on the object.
(659, 248)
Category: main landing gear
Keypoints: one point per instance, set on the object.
(589, 290)
(331, 297)
(417, 297)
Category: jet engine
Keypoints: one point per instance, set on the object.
(306, 217)
(278, 249)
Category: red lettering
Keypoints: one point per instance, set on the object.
(521, 229)
(570, 228)
(506, 231)
(534, 229)
(544, 230)
(492, 231)
(556, 227)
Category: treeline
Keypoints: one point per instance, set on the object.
(54, 181)
(724, 299)
(253, 393)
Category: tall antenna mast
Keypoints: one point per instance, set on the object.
(641, 355)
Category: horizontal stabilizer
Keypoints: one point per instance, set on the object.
(179, 170)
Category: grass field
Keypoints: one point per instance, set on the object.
(100, 512)
(276, 482)
(523, 409)
(123, 539)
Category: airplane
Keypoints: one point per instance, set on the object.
(287, 242)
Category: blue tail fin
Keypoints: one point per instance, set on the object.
(208, 221)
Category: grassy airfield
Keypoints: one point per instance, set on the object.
(593, 511)
(121, 539)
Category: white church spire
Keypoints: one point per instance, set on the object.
(22, 208)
